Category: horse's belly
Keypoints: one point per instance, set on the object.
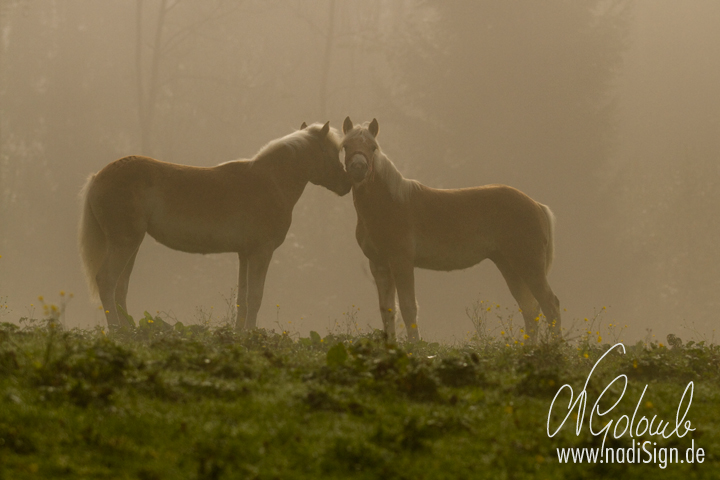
(448, 256)
(449, 262)
(197, 238)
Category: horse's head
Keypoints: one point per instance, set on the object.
(325, 168)
(360, 147)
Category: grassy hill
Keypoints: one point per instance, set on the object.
(176, 402)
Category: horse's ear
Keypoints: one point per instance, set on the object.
(373, 127)
(303, 126)
(326, 129)
(347, 125)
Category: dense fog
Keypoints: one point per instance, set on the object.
(608, 111)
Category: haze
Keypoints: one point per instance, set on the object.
(607, 111)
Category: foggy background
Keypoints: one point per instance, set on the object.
(608, 111)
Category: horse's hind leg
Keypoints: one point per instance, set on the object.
(258, 264)
(523, 296)
(540, 288)
(116, 259)
(386, 297)
(122, 286)
(242, 294)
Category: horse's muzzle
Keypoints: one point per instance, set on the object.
(357, 168)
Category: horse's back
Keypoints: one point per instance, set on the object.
(137, 183)
(121, 174)
(497, 208)
(117, 195)
(458, 228)
(187, 208)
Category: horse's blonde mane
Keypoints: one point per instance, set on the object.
(299, 140)
(399, 186)
(295, 141)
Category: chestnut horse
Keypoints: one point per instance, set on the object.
(242, 206)
(403, 224)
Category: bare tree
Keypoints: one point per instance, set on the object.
(163, 44)
(325, 69)
(5, 6)
(147, 96)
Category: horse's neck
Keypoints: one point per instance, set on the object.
(285, 171)
(389, 178)
(377, 196)
(379, 211)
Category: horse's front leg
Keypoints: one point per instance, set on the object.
(257, 267)
(386, 297)
(404, 275)
(242, 294)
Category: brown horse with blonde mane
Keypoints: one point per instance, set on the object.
(402, 224)
(242, 206)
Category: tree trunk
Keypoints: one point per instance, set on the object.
(326, 63)
(147, 103)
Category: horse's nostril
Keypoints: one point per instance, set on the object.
(357, 169)
(358, 162)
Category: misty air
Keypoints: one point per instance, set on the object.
(359, 181)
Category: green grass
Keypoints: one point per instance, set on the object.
(193, 402)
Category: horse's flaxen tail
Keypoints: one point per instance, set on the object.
(91, 240)
(550, 253)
